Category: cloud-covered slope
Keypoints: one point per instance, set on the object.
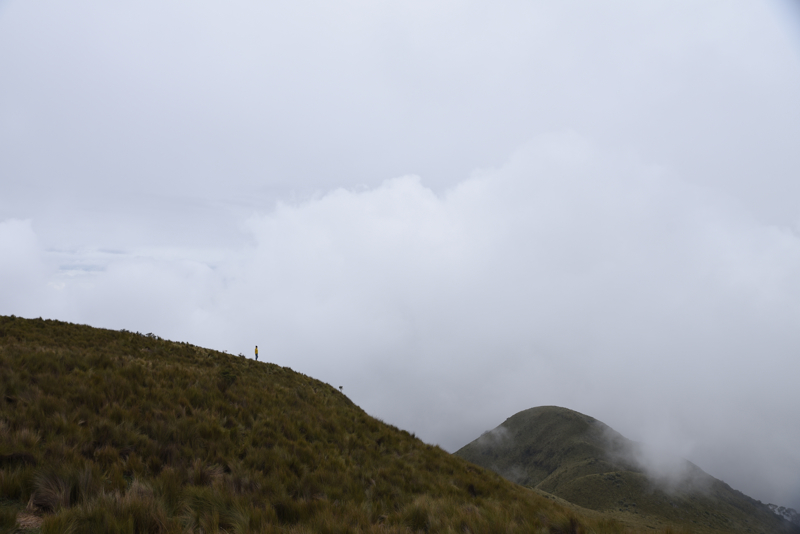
(104, 431)
(582, 460)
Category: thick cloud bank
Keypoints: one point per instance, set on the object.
(569, 276)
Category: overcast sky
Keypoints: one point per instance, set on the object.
(456, 210)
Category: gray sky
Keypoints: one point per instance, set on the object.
(455, 210)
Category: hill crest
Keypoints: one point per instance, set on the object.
(584, 461)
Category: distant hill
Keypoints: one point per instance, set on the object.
(118, 432)
(581, 460)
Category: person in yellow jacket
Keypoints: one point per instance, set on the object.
(256, 352)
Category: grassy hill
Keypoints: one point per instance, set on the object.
(105, 431)
(581, 460)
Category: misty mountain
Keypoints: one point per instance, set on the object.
(581, 460)
(790, 514)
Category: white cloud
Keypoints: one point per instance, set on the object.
(568, 276)
(21, 269)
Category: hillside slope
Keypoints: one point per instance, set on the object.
(582, 460)
(105, 431)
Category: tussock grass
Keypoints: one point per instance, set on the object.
(104, 431)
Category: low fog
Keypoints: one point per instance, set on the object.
(453, 211)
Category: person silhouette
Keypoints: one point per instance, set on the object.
(256, 352)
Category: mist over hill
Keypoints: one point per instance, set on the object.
(580, 459)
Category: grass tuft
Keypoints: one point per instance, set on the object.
(52, 492)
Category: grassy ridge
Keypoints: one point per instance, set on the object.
(105, 431)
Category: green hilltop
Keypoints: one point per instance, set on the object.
(118, 432)
(576, 458)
